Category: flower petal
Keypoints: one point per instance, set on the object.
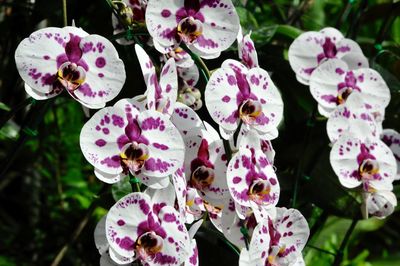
(106, 72)
(122, 222)
(220, 26)
(102, 138)
(166, 145)
(36, 57)
(221, 98)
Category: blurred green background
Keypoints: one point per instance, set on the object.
(49, 196)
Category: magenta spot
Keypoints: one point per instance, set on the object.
(46, 57)
(165, 13)
(113, 162)
(101, 142)
(231, 80)
(236, 180)
(169, 217)
(160, 146)
(127, 243)
(226, 99)
(101, 75)
(118, 121)
(100, 62)
(121, 222)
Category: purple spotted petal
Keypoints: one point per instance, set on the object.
(221, 96)
(127, 220)
(220, 26)
(257, 255)
(165, 144)
(353, 117)
(193, 258)
(177, 245)
(39, 57)
(381, 204)
(185, 119)
(293, 230)
(146, 64)
(247, 50)
(348, 154)
(102, 138)
(268, 95)
(105, 75)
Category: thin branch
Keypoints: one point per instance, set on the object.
(339, 254)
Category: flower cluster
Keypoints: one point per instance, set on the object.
(190, 170)
(353, 97)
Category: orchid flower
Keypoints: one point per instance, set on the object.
(333, 81)
(86, 66)
(120, 139)
(392, 139)
(251, 177)
(312, 48)
(206, 27)
(352, 116)
(237, 95)
(205, 167)
(139, 228)
(367, 162)
(247, 50)
(278, 241)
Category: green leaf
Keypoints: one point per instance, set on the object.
(4, 107)
(121, 188)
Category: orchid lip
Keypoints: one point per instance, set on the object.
(202, 177)
(249, 110)
(133, 156)
(71, 76)
(343, 94)
(148, 245)
(368, 168)
(259, 190)
(189, 29)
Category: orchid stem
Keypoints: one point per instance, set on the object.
(199, 62)
(135, 183)
(339, 254)
(65, 16)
